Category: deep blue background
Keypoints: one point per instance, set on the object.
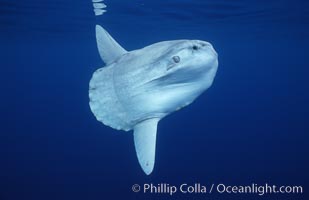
(251, 126)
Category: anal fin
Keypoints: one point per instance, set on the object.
(145, 134)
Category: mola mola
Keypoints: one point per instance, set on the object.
(136, 89)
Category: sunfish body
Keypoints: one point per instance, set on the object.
(136, 89)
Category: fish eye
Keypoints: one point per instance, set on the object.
(176, 59)
(195, 47)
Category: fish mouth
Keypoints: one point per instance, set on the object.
(209, 48)
(212, 49)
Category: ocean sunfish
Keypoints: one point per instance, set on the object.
(136, 89)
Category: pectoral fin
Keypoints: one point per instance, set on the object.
(145, 143)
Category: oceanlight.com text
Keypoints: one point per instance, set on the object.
(221, 188)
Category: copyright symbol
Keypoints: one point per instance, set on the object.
(136, 188)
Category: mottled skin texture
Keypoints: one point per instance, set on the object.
(148, 83)
(139, 88)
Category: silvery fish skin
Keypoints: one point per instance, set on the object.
(136, 89)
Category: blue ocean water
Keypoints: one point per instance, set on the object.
(251, 126)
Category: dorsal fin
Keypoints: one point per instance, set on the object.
(109, 49)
